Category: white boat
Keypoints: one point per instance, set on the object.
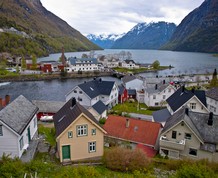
(46, 118)
(4, 83)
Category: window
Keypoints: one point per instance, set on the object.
(75, 91)
(188, 136)
(21, 143)
(80, 99)
(164, 96)
(1, 130)
(154, 96)
(82, 130)
(93, 131)
(174, 134)
(156, 104)
(169, 90)
(193, 105)
(80, 92)
(92, 147)
(70, 134)
(193, 152)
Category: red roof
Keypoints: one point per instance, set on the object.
(139, 131)
(150, 152)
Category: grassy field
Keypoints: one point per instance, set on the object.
(133, 107)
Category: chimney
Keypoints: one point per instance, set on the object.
(186, 111)
(127, 123)
(210, 120)
(193, 90)
(155, 86)
(7, 99)
(183, 88)
(1, 104)
(94, 78)
(164, 82)
(73, 101)
(100, 80)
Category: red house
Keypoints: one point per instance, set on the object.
(123, 94)
(138, 133)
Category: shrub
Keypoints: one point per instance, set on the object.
(122, 159)
(102, 121)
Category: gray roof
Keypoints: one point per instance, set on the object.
(198, 122)
(128, 61)
(97, 87)
(213, 93)
(128, 78)
(154, 80)
(48, 106)
(68, 114)
(151, 88)
(100, 107)
(161, 115)
(131, 92)
(74, 60)
(18, 114)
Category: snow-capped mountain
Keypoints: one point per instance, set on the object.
(146, 36)
(105, 41)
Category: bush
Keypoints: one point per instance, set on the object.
(102, 121)
(122, 159)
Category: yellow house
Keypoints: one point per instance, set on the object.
(78, 134)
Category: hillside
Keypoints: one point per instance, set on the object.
(46, 32)
(146, 36)
(198, 30)
(104, 41)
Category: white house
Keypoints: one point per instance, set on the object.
(18, 127)
(98, 110)
(156, 94)
(89, 93)
(82, 64)
(110, 63)
(212, 100)
(195, 100)
(130, 64)
(132, 82)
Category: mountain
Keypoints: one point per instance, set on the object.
(198, 30)
(46, 33)
(146, 36)
(103, 40)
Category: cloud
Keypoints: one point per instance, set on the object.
(118, 16)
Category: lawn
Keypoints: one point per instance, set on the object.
(133, 107)
(49, 134)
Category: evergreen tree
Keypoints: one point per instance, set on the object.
(156, 64)
(34, 62)
(23, 63)
(214, 81)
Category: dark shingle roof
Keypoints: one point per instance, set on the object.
(48, 106)
(161, 115)
(99, 107)
(121, 89)
(212, 93)
(181, 96)
(128, 61)
(97, 87)
(18, 114)
(67, 114)
(198, 122)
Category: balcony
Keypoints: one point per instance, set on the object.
(175, 145)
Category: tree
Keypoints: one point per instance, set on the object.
(23, 63)
(156, 64)
(84, 55)
(34, 62)
(214, 81)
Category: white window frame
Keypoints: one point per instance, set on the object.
(82, 130)
(193, 105)
(193, 150)
(70, 134)
(21, 143)
(93, 131)
(92, 147)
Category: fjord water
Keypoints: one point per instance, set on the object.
(183, 62)
(55, 90)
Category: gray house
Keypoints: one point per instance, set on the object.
(18, 127)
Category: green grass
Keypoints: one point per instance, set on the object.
(132, 108)
(49, 134)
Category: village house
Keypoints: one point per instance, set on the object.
(89, 93)
(18, 127)
(123, 94)
(129, 64)
(212, 100)
(51, 66)
(195, 100)
(82, 64)
(109, 63)
(132, 133)
(98, 110)
(78, 134)
(47, 108)
(155, 95)
(189, 134)
(132, 82)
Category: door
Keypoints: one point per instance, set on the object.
(28, 132)
(66, 152)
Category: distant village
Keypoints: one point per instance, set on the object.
(183, 122)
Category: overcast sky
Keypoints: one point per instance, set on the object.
(118, 16)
